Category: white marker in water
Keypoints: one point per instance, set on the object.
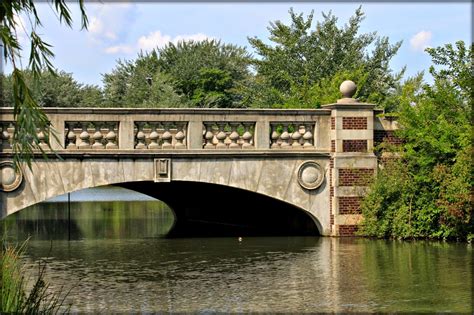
(240, 239)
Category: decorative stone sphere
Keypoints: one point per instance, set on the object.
(8, 176)
(310, 175)
(348, 88)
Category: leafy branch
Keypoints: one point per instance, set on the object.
(28, 114)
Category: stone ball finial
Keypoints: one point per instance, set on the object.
(348, 89)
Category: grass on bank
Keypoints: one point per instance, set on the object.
(15, 295)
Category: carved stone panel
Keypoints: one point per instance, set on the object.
(162, 168)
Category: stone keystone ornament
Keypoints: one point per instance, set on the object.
(9, 179)
(310, 175)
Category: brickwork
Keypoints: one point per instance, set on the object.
(331, 190)
(387, 136)
(359, 123)
(331, 195)
(354, 145)
(333, 123)
(355, 176)
(347, 230)
(349, 205)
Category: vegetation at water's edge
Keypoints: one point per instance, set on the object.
(425, 191)
(15, 296)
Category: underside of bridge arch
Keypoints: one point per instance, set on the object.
(203, 210)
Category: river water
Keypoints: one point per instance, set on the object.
(117, 261)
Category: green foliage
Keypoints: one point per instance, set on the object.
(127, 83)
(188, 74)
(55, 90)
(213, 88)
(427, 192)
(28, 119)
(303, 62)
(206, 72)
(140, 83)
(456, 65)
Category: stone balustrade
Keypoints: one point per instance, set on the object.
(228, 135)
(160, 135)
(98, 129)
(96, 135)
(7, 129)
(288, 135)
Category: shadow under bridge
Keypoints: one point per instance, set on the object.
(203, 209)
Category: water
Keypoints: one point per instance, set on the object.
(119, 265)
(294, 274)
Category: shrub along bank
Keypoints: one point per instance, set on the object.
(426, 191)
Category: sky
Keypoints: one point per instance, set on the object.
(119, 30)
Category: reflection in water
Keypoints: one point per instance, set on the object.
(91, 220)
(294, 274)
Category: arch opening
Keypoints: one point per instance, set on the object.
(210, 210)
(190, 209)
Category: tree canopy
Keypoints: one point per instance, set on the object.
(299, 67)
(56, 90)
(192, 74)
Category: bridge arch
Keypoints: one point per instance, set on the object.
(275, 179)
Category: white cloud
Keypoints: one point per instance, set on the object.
(119, 49)
(420, 40)
(154, 40)
(95, 25)
(199, 37)
(108, 23)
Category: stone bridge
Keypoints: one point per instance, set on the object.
(297, 171)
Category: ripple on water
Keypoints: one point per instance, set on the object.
(258, 275)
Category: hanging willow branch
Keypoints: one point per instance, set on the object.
(28, 114)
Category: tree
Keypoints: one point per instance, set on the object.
(300, 60)
(28, 114)
(56, 90)
(207, 72)
(140, 83)
(427, 191)
(200, 74)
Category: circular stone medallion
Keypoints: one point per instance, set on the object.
(310, 175)
(9, 179)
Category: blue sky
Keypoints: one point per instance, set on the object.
(120, 30)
